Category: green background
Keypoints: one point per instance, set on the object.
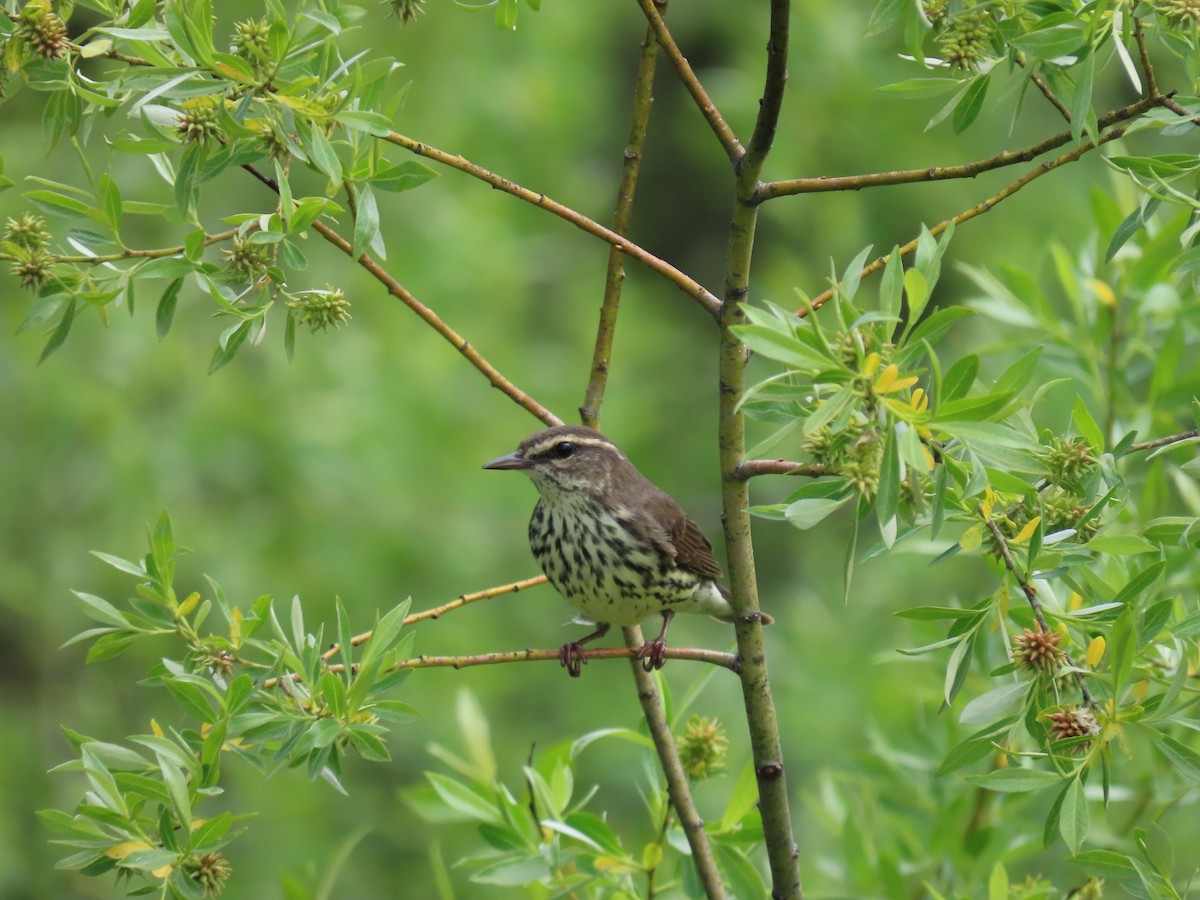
(355, 469)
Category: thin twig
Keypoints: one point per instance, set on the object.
(1180, 110)
(725, 134)
(127, 253)
(614, 277)
(1139, 35)
(771, 103)
(439, 611)
(694, 654)
(772, 189)
(754, 467)
(684, 282)
(1163, 441)
(1044, 88)
(397, 290)
(980, 208)
(678, 791)
(1035, 604)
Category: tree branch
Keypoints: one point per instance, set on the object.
(776, 80)
(1163, 441)
(439, 611)
(1139, 35)
(685, 283)
(397, 290)
(614, 278)
(761, 719)
(1035, 604)
(678, 791)
(729, 140)
(772, 189)
(694, 654)
(980, 208)
(1050, 96)
(754, 467)
(127, 253)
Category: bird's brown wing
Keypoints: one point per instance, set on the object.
(681, 537)
(692, 549)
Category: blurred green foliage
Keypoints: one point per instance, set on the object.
(353, 470)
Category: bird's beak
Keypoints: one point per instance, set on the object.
(509, 461)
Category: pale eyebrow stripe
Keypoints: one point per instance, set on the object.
(546, 445)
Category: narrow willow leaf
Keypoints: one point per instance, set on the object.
(164, 315)
(1073, 819)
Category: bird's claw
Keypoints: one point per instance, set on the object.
(571, 657)
(652, 654)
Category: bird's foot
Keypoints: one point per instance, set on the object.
(652, 654)
(571, 657)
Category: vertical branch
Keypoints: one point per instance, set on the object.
(677, 784)
(678, 791)
(614, 279)
(763, 725)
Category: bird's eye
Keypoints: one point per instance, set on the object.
(564, 449)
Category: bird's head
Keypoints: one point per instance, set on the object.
(565, 459)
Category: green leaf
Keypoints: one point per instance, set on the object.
(1053, 41)
(463, 800)
(402, 177)
(974, 748)
(784, 348)
(177, 790)
(506, 14)
(227, 348)
(853, 274)
(887, 496)
(1185, 760)
(372, 123)
(742, 799)
(60, 332)
(916, 290)
(821, 500)
(920, 88)
(1073, 819)
(1106, 864)
(967, 109)
(1016, 780)
(1086, 425)
(165, 314)
(1132, 224)
(959, 379)
(1121, 544)
(366, 221)
(995, 704)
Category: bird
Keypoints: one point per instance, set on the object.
(614, 544)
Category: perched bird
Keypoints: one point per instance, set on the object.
(616, 546)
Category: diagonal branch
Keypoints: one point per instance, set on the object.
(397, 290)
(1163, 441)
(774, 83)
(984, 206)
(1035, 604)
(614, 278)
(773, 189)
(729, 140)
(684, 282)
(678, 791)
(438, 611)
(1041, 85)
